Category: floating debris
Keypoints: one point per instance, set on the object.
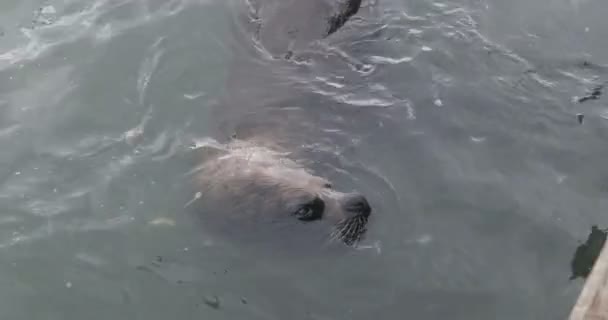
(134, 136)
(580, 117)
(45, 16)
(212, 302)
(197, 196)
(48, 10)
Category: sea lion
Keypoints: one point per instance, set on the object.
(260, 190)
(256, 184)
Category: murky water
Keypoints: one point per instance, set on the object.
(457, 119)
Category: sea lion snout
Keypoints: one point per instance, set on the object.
(357, 205)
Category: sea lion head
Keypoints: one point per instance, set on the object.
(259, 188)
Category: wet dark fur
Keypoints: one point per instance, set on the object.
(337, 21)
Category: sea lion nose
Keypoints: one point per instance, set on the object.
(357, 205)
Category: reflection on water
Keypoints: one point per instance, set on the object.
(457, 119)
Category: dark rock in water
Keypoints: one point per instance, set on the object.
(586, 254)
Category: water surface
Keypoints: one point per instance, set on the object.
(457, 119)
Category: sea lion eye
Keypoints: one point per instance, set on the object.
(305, 213)
(311, 211)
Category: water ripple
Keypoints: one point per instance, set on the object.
(388, 60)
(53, 28)
(149, 65)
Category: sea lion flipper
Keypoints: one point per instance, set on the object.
(287, 26)
(347, 9)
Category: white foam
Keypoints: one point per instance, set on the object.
(388, 60)
(48, 10)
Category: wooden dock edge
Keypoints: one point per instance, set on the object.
(592, 303)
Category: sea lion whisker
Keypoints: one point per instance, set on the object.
(347, 233)
(353, 230)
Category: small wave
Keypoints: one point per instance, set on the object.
(41, 100)
(148, 67)
(100, 224)
(10, 220)
(19, 238)
(90, 259)
(9, 131)
(50, 228)
(44, 208)
(41, 38)
(330, 83)
(54, 207)
(387, 60)
(353, 100)
(194, 95)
